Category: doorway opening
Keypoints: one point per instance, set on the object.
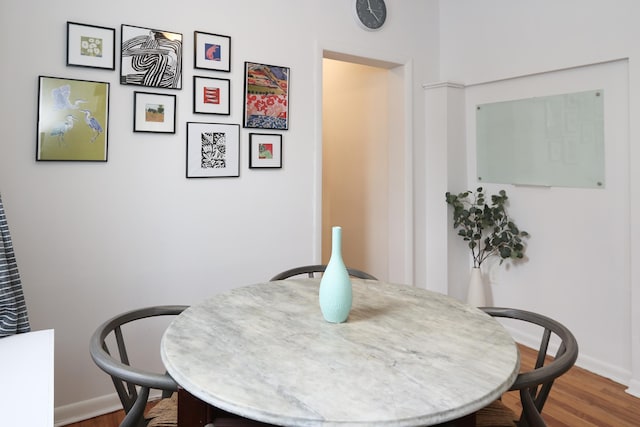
(366, 177)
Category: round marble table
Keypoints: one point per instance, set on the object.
(405, 356)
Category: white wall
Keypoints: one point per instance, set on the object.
(583, 250)
(95, 239)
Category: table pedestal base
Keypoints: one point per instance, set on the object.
(193, 412)
(466, 421)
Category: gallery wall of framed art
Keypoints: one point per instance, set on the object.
(73, 114)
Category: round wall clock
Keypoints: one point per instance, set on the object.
(371, 14)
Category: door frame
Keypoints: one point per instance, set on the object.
(401, 267)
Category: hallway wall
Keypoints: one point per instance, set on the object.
(356, 165)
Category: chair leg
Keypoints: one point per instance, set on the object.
(135, 416)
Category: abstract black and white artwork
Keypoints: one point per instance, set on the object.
(213, 150)
(151, 58)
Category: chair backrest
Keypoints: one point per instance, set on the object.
(115, 362)
(312, 270)
(535, 384)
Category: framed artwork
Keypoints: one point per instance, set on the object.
(265, 150)
(266, 96)
(150, 58)
(213, 150)
(154, 112)
(73, 119)
(211, 96)
(212, 51)
(91, 46)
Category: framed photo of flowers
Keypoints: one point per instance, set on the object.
(212, 51)
(213, 150)
(73, 119)
(265, 150)
(266, 96)
(211, 95)
(91, 46)
(151, 58)
(154, 112)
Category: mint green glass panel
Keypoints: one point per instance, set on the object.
(548, 141)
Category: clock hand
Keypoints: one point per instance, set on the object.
(372, 11)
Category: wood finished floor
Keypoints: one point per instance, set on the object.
(578, 399)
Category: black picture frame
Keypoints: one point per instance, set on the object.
(157, 56)
(213, 150)
(211, 51)
(266, 96)
(265, 151)
(154, 112)
(211, 95)
(91, 46)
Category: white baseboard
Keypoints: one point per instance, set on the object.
(86, 409)
(634, 388)
(614, 373)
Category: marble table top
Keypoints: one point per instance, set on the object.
(405, 356)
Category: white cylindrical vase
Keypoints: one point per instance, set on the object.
(476, 295)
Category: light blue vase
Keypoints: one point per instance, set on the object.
(335, 285)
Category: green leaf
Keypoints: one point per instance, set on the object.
(505, 252)
(487, 229)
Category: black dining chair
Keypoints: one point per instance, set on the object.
(131, 383)
(535, 384)
(313, 270)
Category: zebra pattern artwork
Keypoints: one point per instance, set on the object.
(151, 58)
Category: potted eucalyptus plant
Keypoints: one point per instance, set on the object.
(488, 231)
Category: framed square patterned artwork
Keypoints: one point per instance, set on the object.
(212, 51)
(211, 95)
(265, 150)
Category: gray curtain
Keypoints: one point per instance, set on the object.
(13, 310)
